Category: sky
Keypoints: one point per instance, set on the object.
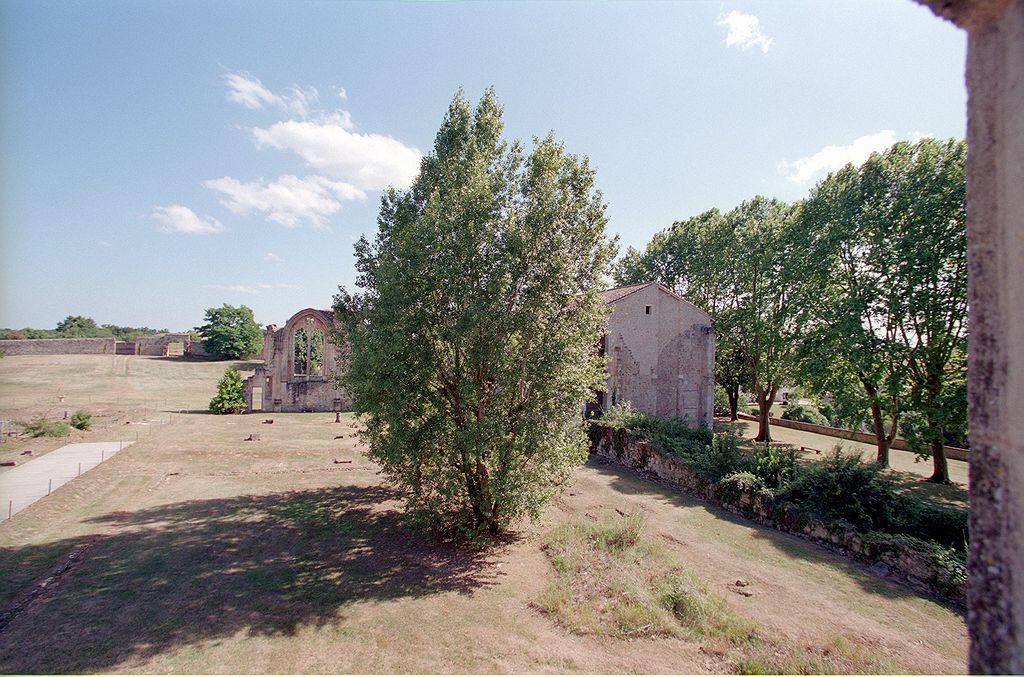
(160, 158)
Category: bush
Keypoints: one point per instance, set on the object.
(721, 401)
(229, 399)
(81, 420)
(805, 413)
(670, 435)
(775, 465)
(731, 487)
(844, 488)
(41, 427)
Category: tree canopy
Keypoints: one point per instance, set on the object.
(859, 292)
(472, 348)
(231, 332)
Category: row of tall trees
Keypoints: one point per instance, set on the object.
(78, 326)
(859, 291)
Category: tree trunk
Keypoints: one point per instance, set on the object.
(764, 406)
(734, 401)
(940, 474)
(881, 439)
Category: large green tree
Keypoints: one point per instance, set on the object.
(472, 348)
(850, 346)
(231, 332)
(884, 292)
(917, 195)
(765, 320)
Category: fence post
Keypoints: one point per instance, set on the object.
(10, 508)
(79, 469)
(49, 488)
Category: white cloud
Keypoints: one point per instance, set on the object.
(179, 219)
(250, 92)
(264, 285)
(239, 288)
(289, 200)
(831, 158)
(744, 31)
(367, 161)
(271, 256)
(251, 288)
(103, 243)
(342, 94)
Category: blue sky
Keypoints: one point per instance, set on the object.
(160, 158)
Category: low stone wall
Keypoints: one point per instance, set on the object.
(157, 345)
(886, 556)
(899, 443)
(59, 346)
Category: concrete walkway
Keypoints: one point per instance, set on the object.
(22, 486)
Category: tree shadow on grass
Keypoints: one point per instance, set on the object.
(787, 545)
(198, 571)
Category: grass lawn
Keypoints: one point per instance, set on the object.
(199, 552)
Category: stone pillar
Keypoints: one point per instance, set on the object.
(995, 223)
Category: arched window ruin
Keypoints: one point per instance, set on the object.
(308, 350)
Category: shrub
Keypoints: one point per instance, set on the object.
(229, 399)
(775, 465)
(670, 435)
(81, 420)
(843, 487)
(731, 487)
(41, 427)
(721, 401)
(805, 413)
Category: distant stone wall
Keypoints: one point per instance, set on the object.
(59, 346)
(157, 345)
(842, 433)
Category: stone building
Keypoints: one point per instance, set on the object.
(298, 362)
(661, 354)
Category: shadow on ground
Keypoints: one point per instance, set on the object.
(190, 572)
(628, 482)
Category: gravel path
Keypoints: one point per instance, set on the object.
(27, 483)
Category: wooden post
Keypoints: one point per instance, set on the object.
(49, 488)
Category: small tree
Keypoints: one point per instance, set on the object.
(472, 351)
(231, 332)
(229, 399)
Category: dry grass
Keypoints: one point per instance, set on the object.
(203, 553)
(611, 580)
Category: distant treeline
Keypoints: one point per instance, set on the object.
(76, 326)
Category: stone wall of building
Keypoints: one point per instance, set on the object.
(280, 384)
(661, 355)
(59, 346)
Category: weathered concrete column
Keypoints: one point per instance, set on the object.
(995, 231)
(995, 237)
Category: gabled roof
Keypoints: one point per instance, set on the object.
(616, 294)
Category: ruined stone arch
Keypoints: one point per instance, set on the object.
(308, 334)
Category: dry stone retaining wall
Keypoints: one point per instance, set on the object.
(886, 556)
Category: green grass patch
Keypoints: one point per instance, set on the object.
(40, 426)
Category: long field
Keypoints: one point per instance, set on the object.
(196, 551)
